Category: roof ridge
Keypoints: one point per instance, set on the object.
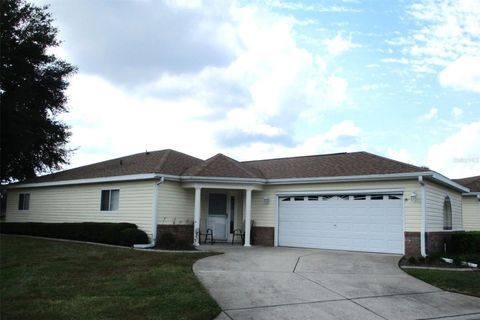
(388, 159)
(296, 157)
(162, 161)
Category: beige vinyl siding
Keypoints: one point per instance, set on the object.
(175, 204)
(435, 197)
(471, 213)
(81, 203)
(264, 214)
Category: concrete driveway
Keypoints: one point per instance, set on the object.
(288, 283)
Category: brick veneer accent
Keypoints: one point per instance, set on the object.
(412, 244)
(263, 236)
(436, 241)
(183, 232)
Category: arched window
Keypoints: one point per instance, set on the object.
(447, 214)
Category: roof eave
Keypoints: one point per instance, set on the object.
(132, 177)
(471, 194)
(375, 177)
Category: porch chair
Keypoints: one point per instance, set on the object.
(241, 233)
(208, 234)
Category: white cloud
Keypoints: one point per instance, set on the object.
(341, 137)
(462, 74)
(458, 156)
(432, 113)
(338, 45)
(457, 112)
(402, 155)
(232, 109)
(447, 30)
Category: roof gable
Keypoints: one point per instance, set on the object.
(223, 166)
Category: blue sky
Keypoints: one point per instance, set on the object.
(263, 79)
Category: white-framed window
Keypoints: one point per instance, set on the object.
(109, 200)
(24, 201)
(447, 214)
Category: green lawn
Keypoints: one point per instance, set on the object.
(467, 282)
(45, 279)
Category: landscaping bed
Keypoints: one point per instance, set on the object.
(47, 279)
(436, 261)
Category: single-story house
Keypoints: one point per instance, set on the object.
(471, 203)
(345, 201)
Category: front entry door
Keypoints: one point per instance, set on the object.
(217, 215)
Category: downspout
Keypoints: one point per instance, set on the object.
(156, 191)
(423, 251)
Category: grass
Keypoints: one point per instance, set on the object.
(467, 282)
(46, 279)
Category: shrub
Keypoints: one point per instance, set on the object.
(412, 260)
(465, 242)
(109, 233)
(131, 236)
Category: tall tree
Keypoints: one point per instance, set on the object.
(32, 86)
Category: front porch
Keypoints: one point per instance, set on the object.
(222, 208)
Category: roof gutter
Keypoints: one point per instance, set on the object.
(131, 177)
(373, 177)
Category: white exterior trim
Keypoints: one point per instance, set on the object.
(471, 194)
(276, 224)
(250, 181)
(223, 186)
(423, 219)
(221, 179)
(338, 191)
(131, 177)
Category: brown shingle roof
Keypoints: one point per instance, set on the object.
(179, 164)
(331, 165)
(165, 161)
(223, 166)
(473, 183)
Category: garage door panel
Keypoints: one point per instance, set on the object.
(336, 223)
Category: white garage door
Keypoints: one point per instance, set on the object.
(364, 222)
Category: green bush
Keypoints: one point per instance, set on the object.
(465, 242)
(125, 234)
(131, 236)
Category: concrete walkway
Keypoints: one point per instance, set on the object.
(287, 283)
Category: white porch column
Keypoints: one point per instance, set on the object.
(196, 217)
(248, 215)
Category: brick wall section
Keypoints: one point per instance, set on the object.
(263, 236)
(180, 231)
(436, 241)
(412, 244)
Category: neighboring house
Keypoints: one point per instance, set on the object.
(346, 201)
(471, 203)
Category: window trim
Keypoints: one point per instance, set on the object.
(109, 209)
(24, 201)
(447, 214)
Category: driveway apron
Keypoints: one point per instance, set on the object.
(291, 283)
